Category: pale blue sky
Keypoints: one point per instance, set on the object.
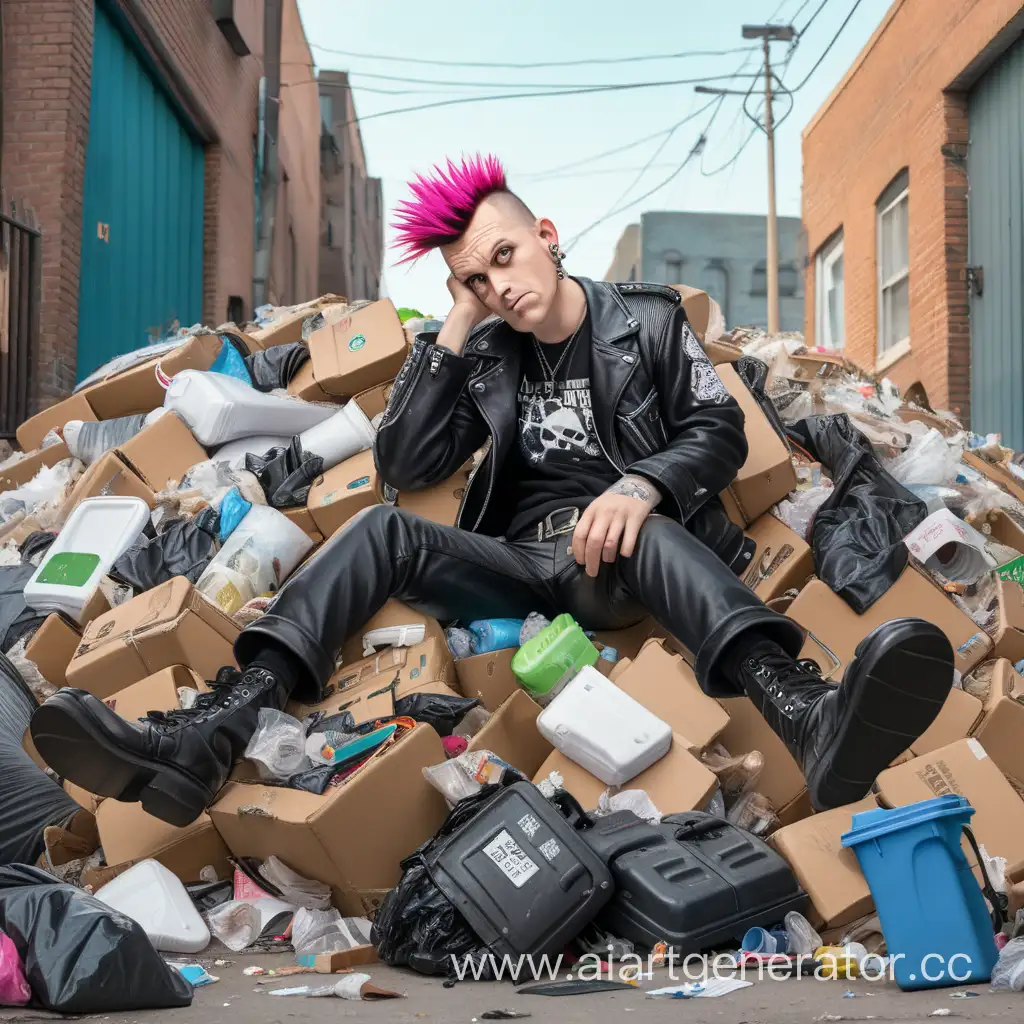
(538, 134)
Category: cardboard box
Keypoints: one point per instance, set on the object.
(139, 389)
(1006, 531)
(53, 647)
(627, 642)
(1006, 685)
(31, 433)
(82, 797)
(827, 872)
(782, 779)
(1002, 724)
(360, 350)
(840, 629)
(303, 519)
(1009, 631)
(997, 473)
(158, 692)
(163, 452)
(288, 328)
(303, 385)
(107, 475)
(374, 400)
(172, 624)
(511, 732)
(664, 684)
(677, 782)
(767, 475)
(394, 613)
(128, 834)
(488, 677)
(964, 768)
(699, 308)
(21, 472)
(352, 837)
(342, 492)
(440, 503)
(368, 702)
(19, 529)
(782, 560)
(956, 721)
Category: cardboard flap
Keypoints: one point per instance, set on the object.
(511, 733)
(24, 470)
(32, 431)
(162, 452)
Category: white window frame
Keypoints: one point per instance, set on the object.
(886, 345)
(828, 255)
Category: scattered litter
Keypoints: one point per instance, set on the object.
(964, 995)
(353, 986)
(196, 975)
(254, 970)
(944, 1012)
(504, 1015)
(710, 989)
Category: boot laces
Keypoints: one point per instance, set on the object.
(222, 689)
(780, 672)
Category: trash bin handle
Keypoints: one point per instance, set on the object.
(999, 901)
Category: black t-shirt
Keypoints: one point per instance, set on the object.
(557, 461)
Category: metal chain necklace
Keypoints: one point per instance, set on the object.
(546, 368)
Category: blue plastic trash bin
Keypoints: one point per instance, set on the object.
(931, 908)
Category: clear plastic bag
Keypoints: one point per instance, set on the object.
(239, 923)
(460, 642)
(736, 775)
(326, 931)
(295, 888)
(635, 800)
(472, 722)
(802, 938)
(798, 510)
(1008, 972)
(930, 459)
(754, 813)
(466, 774)
(278, 746)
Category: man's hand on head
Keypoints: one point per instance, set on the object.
(611, 523)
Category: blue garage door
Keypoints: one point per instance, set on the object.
(142, 218)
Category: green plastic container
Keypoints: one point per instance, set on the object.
(547, 662)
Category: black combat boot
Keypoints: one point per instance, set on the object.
(173, 762)
(843, 736)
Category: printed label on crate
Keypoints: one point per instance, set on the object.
(511, 859)
(1012, 571)
(529, 824)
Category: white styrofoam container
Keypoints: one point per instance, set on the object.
(157, 901)
(603, 729)
(101, 527)
(219, 408)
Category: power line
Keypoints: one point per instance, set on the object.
(486, 85)
(810, 20)
(835, 39)
(405, 59)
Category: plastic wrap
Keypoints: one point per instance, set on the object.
(79, 955)
(472, 722)
(460, 642)
(635, 800)
(736, 775)
(797, 512)
(754, 813)
(1008, 972)
(210, 481)
(51, 438)
(930, 459)
(467, 774)
(532, 625)
(241, 923)
(326, 931)
(278, 746)
(802, 939)
(293, 887)
(43, 495)
(41, 687)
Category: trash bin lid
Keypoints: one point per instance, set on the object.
(869, 825)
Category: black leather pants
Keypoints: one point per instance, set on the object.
(453, 574)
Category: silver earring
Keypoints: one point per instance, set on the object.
(557, 255)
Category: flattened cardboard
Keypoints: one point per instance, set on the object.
(627, 642)
(440, 503)
(342, 492)
(767, 475)
(162, 452)
(827, 872)
(664, 684)
(677, 782)
(782, 561)
(31, 433)
(394, 613)
(358, 351)
(488, 677)
(1001, 732)
(839, 628)
(139, 389)
(1006, 531)
(964, 768)
(128, 834)
(107, 475)
(1006, 684)
(352, 837)
(374, 400)
(21, 472)
(956, 721)
(1009, 632)
(172, 624)
(998, 474)
(782, 779)
(82, 797)
(368, 702)
(53, 647)
(512, 733)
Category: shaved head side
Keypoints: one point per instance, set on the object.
(446, 199)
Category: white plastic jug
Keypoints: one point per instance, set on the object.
(603, 729)
(157, 901)
(218, 408)
(345, 434)
(256, 559)
(96, 534)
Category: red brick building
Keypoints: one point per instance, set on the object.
(200, 63)
(887, 164)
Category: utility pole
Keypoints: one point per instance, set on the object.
(268, 170)
(766, 33)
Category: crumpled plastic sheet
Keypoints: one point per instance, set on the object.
(51, 438)
(1008, 972)
(10, 554)
(532, 625)
(43, 495)
(797, 512)
(12, 460)
(326, 931)
(460, 642)
(35, 680)
(635, 800)
(295, 888)
(930, 459)
(203, 486)
(278, 746)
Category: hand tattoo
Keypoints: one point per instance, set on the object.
(636, 487)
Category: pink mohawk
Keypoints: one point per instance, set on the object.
(444, 203)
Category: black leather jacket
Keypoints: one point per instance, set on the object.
(660, 411)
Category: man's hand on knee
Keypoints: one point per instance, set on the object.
(611, 524)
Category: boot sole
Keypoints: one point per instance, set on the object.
(897, 683)
(75, 744)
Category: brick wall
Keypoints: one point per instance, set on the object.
(899, 107)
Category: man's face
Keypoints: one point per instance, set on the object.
(504, 258)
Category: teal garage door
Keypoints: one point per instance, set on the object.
(142, 216)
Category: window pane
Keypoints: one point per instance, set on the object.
(673, 271)
(838, 328)
(901, 310)
(900, 244)
(885, 233)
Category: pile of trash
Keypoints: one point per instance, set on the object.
(476, 790)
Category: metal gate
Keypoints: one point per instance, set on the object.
(996, 248)
(142, 217)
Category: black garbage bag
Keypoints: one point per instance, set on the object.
(857, 534)
(16, 618)
(274, 367)
(182, 549)
(31, 799)
(435, 709)
(416, 925)
(285, 474)
(36, 543)
(81, 956)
